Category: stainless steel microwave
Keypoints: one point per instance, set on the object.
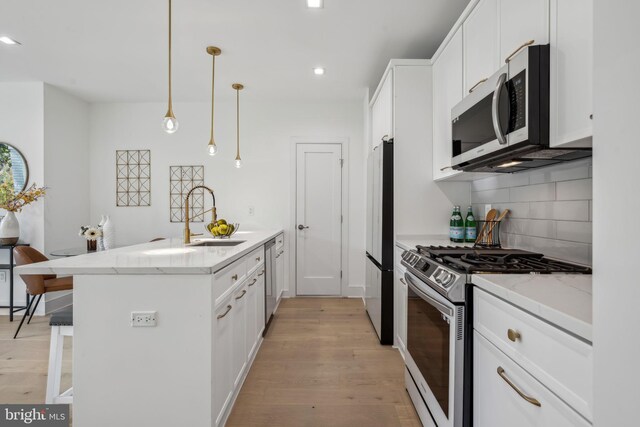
(503, 125)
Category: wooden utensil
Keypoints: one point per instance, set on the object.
(493, 224)
(490, 217)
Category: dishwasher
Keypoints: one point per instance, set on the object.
(270, 282)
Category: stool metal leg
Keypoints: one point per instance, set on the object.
(34, 308)
(24, 317)
(55, 364)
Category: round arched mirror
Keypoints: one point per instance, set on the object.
(14, 171)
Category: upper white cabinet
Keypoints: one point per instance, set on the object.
(571, 72)
(447, 92)
(481, 51)
(382, 111)
(520, 22)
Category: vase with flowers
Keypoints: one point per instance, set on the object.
(91, 234)
(13, 202)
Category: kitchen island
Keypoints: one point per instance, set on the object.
(201, 308)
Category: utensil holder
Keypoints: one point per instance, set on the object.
(488, 233)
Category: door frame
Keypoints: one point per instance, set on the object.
(344, 254)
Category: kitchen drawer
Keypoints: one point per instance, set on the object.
(279, 241)
(255, 258)
(496, 382)
(228, 277)
(557, 359)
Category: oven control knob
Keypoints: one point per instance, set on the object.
(447, 279)
(438, 276)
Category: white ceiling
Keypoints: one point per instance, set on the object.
(112, 51)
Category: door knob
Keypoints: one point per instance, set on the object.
(302, 227)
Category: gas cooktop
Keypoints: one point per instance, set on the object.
(477, 260)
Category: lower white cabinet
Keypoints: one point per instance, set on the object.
(238, 322)
(400, 287)
(279, 272)
(505, 395)
(222, 358)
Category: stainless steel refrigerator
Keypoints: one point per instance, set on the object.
(378, 293)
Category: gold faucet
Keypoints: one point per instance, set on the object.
(187, 231)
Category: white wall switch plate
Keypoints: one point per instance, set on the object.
(252, 210)
(144, 318)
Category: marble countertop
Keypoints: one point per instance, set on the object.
(564, 300)
(170, 256)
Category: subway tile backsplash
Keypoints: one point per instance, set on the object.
(550, 209)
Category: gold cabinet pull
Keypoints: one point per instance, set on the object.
(244, 291)
(261, 273)
(513, 335)
(234, 277)
(258, 259)
(253, 282)
(220, 316)
(477, 84)
(522, 46)
(513, 386)
(445, 168)
(402, 280)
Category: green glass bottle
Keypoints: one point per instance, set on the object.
(456, 226)
(470, 226)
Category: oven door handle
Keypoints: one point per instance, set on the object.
(428, 298)
(495, 109)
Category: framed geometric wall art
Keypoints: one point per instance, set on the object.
(133, 178)
(181, 180)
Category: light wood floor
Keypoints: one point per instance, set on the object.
(321, 365)
(25, 360)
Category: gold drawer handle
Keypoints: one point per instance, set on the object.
(258, 259)
(513, 335)
(513, 386)
(477, 84)
(220, 316)
(261, 273)
(445, 168)
(522, 46)
(244, 291)
(253, 283)
(402, 280)
(234, 277)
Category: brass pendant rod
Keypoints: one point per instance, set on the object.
(213, 75)
(170, 110)
(237, 123)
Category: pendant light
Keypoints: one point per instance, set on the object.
(170, 123)
(238, 87)
(213, 51)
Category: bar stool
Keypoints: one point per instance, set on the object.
(61, 326)
(37, 284)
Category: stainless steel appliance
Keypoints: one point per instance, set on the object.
(270, 296)
(503, 125)
(378, 293)
(439, 330)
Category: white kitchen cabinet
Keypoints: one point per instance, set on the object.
(280, 273)
(571, 73)
(480, 44)
(447, 92)
(401, 309)
(382, 111)
(497, 381)
(222, 358)
(520, 22)
(252, 314)
(238, 339)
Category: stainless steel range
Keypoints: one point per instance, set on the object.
(439, 326)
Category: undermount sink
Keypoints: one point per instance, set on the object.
(218, 243)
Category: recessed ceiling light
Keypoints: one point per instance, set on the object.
(318, 71)
(316, 4)
(8, 40)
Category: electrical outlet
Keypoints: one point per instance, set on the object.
(252, 210)
(3, 276)
(143, 318)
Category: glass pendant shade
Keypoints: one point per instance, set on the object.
(170, 124)
(238, 163)
(237, 87)
(212, 149)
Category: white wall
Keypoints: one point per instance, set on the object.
(616, 203)
(267, 129)
(22, 125)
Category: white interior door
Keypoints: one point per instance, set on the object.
(318, 219)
